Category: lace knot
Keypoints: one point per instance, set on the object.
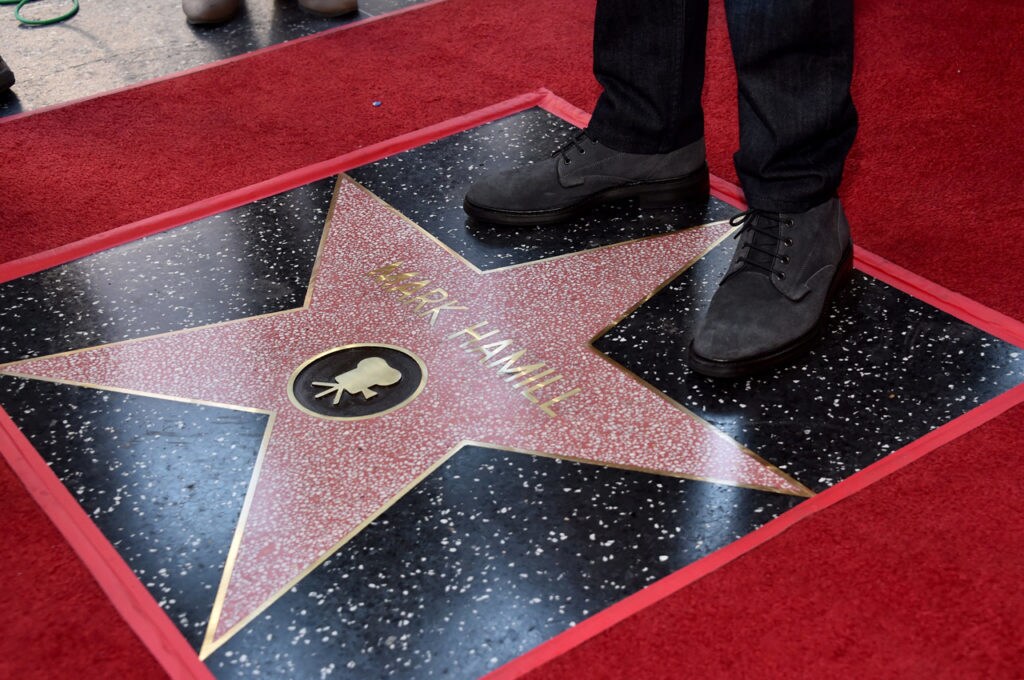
(763, 232)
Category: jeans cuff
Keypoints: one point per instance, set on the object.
(778, 205)
(614, 139)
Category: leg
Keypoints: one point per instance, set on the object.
(797, 122)
(646, 138)
(794, 61)
(649, 57)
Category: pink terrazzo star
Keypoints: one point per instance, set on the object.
(320, 480)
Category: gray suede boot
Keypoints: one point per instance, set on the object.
(584, 173)
(771, 305)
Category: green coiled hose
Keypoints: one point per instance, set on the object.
(40, 22)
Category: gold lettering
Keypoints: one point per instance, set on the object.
(432, 297)
(396, 279)
(528, 392)
(529, 379)
(389, 275)
(382, 273)
(548, 406)
(471, 331)
(407, 289)
(492, 349)
(436, 311)
(535, 377)
(514, 372)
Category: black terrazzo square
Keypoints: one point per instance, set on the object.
(491, 555)
(427, 184)
(889, 369)
(251, 260)
(163, 480)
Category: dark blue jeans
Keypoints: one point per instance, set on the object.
(794, 60)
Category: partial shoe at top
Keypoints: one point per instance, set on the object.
(209, 11)
(6, 76)
(584, 173)
(772, 304)
(219, 11)
(329, 8)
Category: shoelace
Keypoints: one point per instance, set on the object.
(749, 220)
(574, 142)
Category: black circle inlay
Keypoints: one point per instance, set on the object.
(359, 381)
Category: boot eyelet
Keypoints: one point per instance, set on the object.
(781, 275)
(582, 151)
(566, 161)
(785, 259)
(788, 223)
(787, 242)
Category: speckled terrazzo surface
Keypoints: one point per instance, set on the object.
(251, 260)
(604, 416)
(492, 552)
(489, 556)
(164, 481)
(890, 369)
(428, 183)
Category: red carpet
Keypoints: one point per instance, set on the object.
(876, 585)
(57, 621)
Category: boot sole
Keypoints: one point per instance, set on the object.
(661, 193)
(354, 7)
(746, 367)
(210, 22)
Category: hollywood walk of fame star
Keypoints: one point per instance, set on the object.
(318, 481)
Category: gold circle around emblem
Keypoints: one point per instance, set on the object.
(419, 388)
